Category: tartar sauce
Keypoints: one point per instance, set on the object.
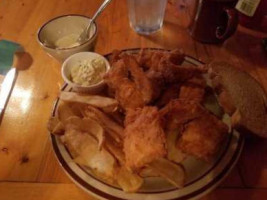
(88, 72)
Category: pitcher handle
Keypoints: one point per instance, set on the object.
(232, 17)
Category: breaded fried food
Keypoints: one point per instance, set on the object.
(115, 56)
(125, 89)
(170, 93)
(148, 58)
(169, 67)
(140, 79)
(128, 96)
(132, 87)
(116, 74)
(180, 111)
(202, 136)
(200, 132)
(193, 89)
(144, 137)
(173, 73)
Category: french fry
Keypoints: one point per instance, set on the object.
(105, 103)
(173, 173)
(64, 111)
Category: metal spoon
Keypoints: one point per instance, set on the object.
(84, 35)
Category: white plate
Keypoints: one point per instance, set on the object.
(202, 177)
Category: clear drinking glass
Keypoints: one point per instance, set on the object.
(146, 16)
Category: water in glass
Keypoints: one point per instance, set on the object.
(146, 16)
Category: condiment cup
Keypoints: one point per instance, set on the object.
(73, 61)
(62, 26)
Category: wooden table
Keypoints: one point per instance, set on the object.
(28, 167)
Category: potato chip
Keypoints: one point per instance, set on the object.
(77, 108)
(86, 125)
(64, 111)
(148, 172)
(174, 154)
(86, 152)
(174, 173)
(106, 103)
(94, 129)
(117, 116)
(104, 120)
(129, 181)
(55, 126)
(115, 149)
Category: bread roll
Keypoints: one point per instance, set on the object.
(245, 93)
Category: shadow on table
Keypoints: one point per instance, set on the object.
(247, 47)
(253, 163)
(22, 61)
(236, 194)
(171, 36)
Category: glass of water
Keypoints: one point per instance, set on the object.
(146, 16)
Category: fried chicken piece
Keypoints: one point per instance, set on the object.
(170, 93)
(132, 87)
(140, 79)
(202, 136)
(170, 69)
(157, 81)
(176, 56)
(151, 61)
(117, 73)
(177, 73)
(125, 89)
(144, 137)
(128, 96)
(179, 111)
(115, 56)
(193, 89)
(148, 58)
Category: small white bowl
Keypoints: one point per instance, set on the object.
(63, 26)
(72, 61)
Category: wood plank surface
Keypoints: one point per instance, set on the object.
(44, 191)
(26, 153)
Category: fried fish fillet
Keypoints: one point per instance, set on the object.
(202, 136)
(201, 133)
(144, 137)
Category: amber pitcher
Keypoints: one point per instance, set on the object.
(214, 20)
